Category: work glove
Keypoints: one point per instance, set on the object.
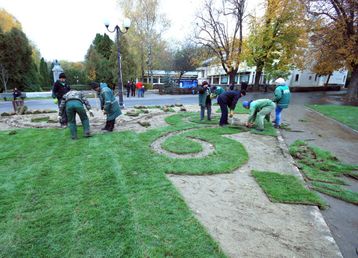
(231, 113)
(55, 101)
(91, 113)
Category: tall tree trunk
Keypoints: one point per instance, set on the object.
(258, 76)
(232, 76)
(353, 85)
(329, 77)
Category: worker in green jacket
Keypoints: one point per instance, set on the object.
(216, 91)
(73, 102)
(282, 99)
(259, 110)
(109, 104)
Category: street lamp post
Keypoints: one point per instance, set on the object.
(119, 32)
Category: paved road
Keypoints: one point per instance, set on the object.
(149, 99)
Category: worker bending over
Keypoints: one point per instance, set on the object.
(259, 110)
(228, 99)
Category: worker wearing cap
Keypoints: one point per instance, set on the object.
(259, 109)
(59, 89)
(204, 100)
(73, 102)
(282, 99)
(228, 99)
(109, 104)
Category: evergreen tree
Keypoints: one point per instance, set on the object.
(45, 80)
(15, 56)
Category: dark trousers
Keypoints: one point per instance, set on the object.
(128, 91)
(133, 92)
(224, 112)
(110, 125)
(64, 114)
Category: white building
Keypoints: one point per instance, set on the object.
(159, 76)
(215, 74)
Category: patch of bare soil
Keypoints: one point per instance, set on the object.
(155, 118)
(238, 214)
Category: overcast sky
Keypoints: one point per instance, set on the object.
(64, 29)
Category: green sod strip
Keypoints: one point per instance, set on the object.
(106, 196)
(181, 145)
(286, 189)
(336, 191)
(324, 171)
(347, 115)
(269, 130)
(239, 109)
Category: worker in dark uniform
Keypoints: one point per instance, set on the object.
(229, 100)
(73, 102)
(59, 89)
(109, 104)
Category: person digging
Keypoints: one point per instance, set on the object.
(109, 104)
(229, 100)
(72, 103)
(259, 110)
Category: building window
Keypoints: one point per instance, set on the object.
(296, 77)
(224, 79)
(216, 80)
(315, 78)
(310, 77)
(155, 80)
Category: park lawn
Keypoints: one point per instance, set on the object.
(181, 145)
(324, 171)
(286, 189)
(347, 115)
(106, 196)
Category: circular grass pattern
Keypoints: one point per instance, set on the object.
(181, 145)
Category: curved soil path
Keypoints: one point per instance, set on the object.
(241, 218)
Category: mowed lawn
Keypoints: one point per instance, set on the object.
(106, 196)
(345, 114)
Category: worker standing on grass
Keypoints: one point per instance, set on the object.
(282, 99)
(204, 100)
(228, 99)
(59, 89)
(216, 91)
(109, 104)
(72, 103)
(259, 110)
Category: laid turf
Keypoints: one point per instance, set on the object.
(106, 196)
(286, 189)
(324, 171)
(181, 145)
(345, 114)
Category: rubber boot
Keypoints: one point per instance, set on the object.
(106, 126)
(111, 125)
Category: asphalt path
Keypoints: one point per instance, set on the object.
(148, 100)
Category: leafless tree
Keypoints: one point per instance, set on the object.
(4, 76)
(220, 29)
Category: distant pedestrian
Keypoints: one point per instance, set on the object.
(139, 86)
(229, 100)
(204, 100)
(128, 88)
(59, 89)
(259, 110)
(133, 89)
(72, 103)
(244, 86)
(282, 99)
(109, 104)
(16, 93)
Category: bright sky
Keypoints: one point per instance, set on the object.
(64, 29)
